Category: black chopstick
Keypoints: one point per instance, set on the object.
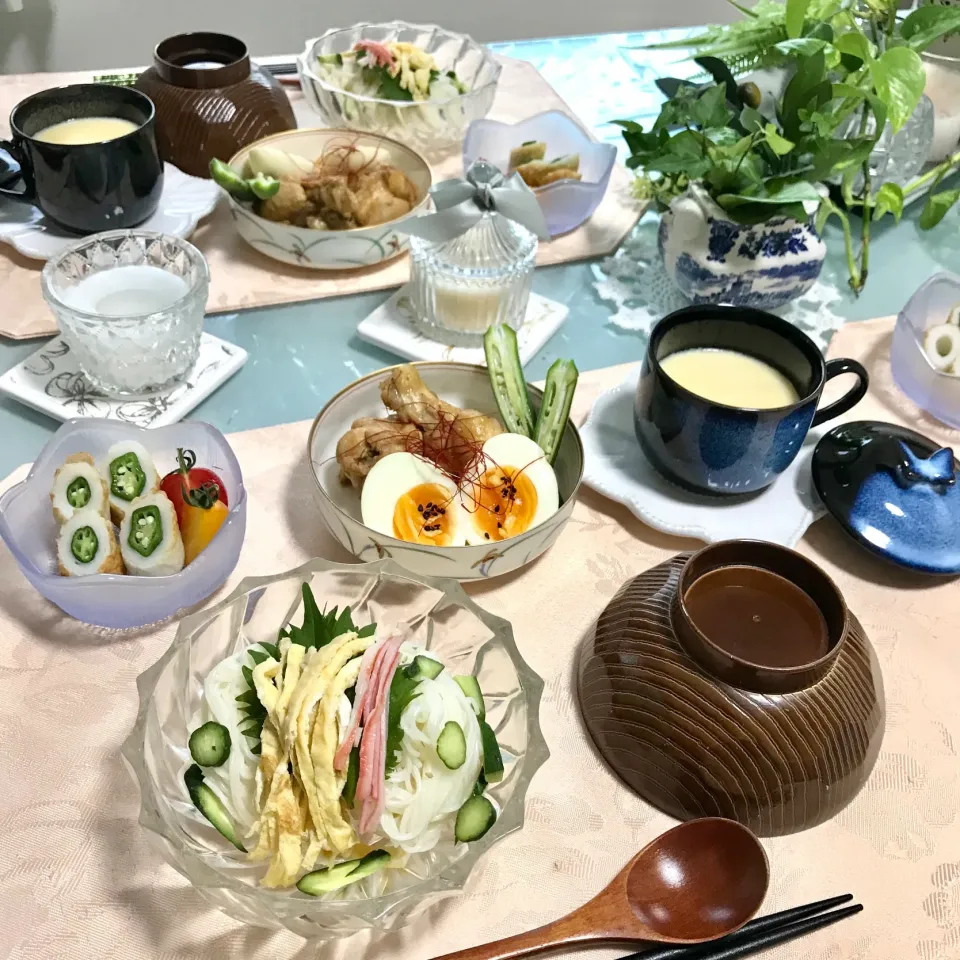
(280, 69)
(756, 932)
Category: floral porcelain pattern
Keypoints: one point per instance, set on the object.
(50, 381)
(897, 847)
(712, 259)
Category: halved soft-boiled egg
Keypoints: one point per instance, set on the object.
(513, 490)
(407, 497)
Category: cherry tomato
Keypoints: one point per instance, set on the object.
(192, 486)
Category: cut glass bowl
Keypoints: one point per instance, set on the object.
(439, 616)
(424, 125)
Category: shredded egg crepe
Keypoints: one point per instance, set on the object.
(290, 799)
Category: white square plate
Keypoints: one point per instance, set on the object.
(392, 327)
(50, 381)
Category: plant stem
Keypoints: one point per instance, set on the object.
(848, 246)
(935, 173)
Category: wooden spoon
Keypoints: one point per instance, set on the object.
(701, 880)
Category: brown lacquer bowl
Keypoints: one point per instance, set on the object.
(211, 100)
(780, 742)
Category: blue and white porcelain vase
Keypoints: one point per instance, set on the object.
(713, 259)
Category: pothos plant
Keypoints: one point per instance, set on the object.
(854, 68)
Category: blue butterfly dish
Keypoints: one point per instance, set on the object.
(894, 491)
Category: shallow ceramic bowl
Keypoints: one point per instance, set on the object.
(464, 385)
(932, 389)
(439, 616)
(331, 249)
(426, 125)
(28, 528)
(566, 203)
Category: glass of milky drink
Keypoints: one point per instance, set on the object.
(130, 306)
(727, 395)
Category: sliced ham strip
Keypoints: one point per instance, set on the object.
(373, 745)
(364, 686)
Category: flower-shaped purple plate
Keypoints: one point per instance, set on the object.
(565, 203)
(28, 528)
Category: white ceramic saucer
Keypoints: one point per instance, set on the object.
(184, 203)
(616, 467)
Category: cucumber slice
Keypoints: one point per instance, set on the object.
(223, 175)
(424, 668)
(452, 745)
(558, 393)
(210, 744)
(342, 874)
(264, 187)
(208, 803)
(492, 758)
(507, 380)
(474, 819)
(471, 689)
(353, 775)
(480, 785)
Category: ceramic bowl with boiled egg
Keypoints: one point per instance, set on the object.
(465, 500)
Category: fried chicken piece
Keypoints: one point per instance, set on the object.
(288, 205)
(375, 203)
(458, 432)
(367, 440)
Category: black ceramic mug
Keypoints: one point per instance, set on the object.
(90, 187)
(713, 448)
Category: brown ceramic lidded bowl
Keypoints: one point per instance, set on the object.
(211, 101)
(735, 683)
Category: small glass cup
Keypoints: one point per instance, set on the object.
(130, 305)
(463, 286)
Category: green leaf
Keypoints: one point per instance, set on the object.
(796, 11)
(807, 88)
(388, 86)
(353, 775)
(710, 109)
(403, 691)
(851, 92)
(722, 137)
(272, 649)
(751, 120)
(311, 616)
(899, 79)
(888, 199)
(927, 24)
(831, 157)
(801, 46)
(855, 44)
(368, 631)
(258, 657)
(937, 206)
(247, 675)
(780, 145)
(248, 697)
(788, 193)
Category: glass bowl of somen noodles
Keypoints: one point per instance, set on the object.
(333, 748)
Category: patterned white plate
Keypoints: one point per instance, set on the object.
(616, 467)
(184, 203)
(392, 327)
(50, 382)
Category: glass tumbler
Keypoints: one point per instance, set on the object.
(130, 305)
(461, 287)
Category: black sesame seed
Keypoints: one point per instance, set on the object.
(420, 507)
(496, 509)
(487, 535)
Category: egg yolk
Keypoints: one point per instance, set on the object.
(506, 504)
(421, 516)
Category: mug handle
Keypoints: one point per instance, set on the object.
(27, 194)
(852, 397)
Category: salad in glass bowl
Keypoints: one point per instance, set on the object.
(421, 84)
(333, 748)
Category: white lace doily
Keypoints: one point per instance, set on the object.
(633, 279)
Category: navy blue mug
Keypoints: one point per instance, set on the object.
(713, 448)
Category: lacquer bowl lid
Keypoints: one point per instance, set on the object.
(894, 491)
(699, 733)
